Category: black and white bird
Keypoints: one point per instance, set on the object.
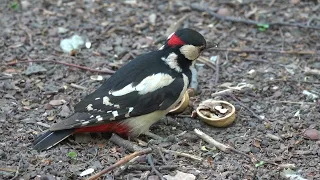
(139, 94)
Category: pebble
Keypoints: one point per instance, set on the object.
(265, 142)
(254, 149)
(2, 154)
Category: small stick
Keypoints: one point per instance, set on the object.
(292, 102)
(78, 86)
(308, 70)
(121, 162)
(182, 154)
(124, 143)
(247, 21)
(150, 161)
(17, 171)
(108, 71)
(246, 107)
(217, 71)
(162, 156)
(206, 62)
(219, 145)
(238, 50)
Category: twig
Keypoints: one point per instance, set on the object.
(162, 156)
(246, 107)
(119, 163)
(17, 171)
(240, 87)
(219, 145)
(124, 143)
(150, 161)
(282, 39)
(206, 62)
(248, 21)
(238, 50)
(108, 71)
(8, 170)
(293, 102)
(26, 30)
(146, 167)
(182, 154)
(176, 25)
(78, 86)
(216, 80)
(308, 70)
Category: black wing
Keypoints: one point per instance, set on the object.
(103, 107)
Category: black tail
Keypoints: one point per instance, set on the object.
(51, 138)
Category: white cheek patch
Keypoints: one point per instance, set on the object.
(106, 101)
(97, 98)
(89, 107)
(148, 84)
(190, 52)
(116, 106)
(172, 62)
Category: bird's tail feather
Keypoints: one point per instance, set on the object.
(51, 138)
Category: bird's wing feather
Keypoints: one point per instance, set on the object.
(113, 102)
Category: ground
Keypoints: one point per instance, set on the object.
(277, 104)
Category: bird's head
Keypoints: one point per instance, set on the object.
(189, 42)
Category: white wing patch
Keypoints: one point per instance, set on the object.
(172, 62)
(99, 118)
(89, 107)
(115, 113)
(106, 101)
(147, 85)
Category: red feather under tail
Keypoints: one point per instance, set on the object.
(114, 127)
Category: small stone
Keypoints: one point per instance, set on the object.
(223, 12)
(2, 154)
(254, 149)
(245, 148)
(265, 142)
(311, 134)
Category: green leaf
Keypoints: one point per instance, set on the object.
(260, 163)
(263, 27)
(15, 5)
(203, 148)
(72, 155)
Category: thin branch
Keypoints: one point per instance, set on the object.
(150, 161)
(124, 143)
(182, 154)
(238, 50)
(17, 171)
(246, 107)
(222, 147)
(119, 163)
(248, 21)
(216, 80)
(108, 71)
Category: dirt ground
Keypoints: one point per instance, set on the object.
(282, 102)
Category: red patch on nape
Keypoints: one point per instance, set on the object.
(175, 41)
(113, 127)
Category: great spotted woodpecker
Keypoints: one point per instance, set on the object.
(137, 95)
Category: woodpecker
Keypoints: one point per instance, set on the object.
(139, 94)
